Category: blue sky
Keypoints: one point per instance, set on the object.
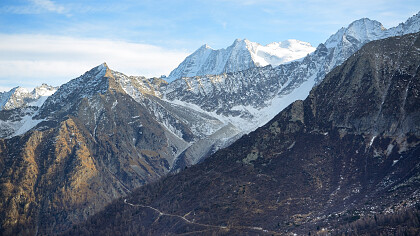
(54, 41)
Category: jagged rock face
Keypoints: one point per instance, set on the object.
(320, 163)
(241, 55)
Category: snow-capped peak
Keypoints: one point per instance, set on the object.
(363, 30)
(412, 25)
(239, 41)
(43, 90)
(41, 93)
(5, 97)
(21, 97)
(205, 46)
(241, 55)
(366, 30)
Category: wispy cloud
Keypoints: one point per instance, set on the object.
(36, 7)
(49, 5)
(56, 60)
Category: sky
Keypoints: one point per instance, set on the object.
(54, 41)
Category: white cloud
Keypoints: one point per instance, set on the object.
(29, 60)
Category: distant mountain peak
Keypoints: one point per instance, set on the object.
(241, 55)
(240, 43)
(21, 97)
(238, 40)
(93, 82)
(412, 25)
(362, 30)
(104, 65)
(102, 69)
(205, 46)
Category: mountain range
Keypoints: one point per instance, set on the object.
(344, 161)
(66, 152)
(241, 55)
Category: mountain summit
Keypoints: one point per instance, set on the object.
(241, 55)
